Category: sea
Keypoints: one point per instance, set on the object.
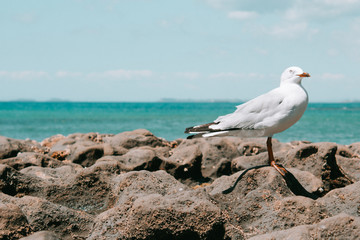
(322, 122)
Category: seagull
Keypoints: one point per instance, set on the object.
(263, 116)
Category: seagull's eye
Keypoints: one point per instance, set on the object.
(291, 71)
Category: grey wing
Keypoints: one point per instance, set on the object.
(257, 113)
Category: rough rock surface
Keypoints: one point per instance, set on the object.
(134, 185)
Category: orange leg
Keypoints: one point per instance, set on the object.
(272, 163)
(291, 181)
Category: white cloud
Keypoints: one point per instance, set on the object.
(227, 75)
(259, 6)
(242, 15)
(290, 9)
(232, 75)
(121, 74)
(111, 74)
(220, 4)
(340, 2)
(23, 75)
(332, 76)
(188, 75)
(164, 23)
(291, 30)
(26, 17)
(332, 52)
(65, 74)
(321, 9)
(261, 51)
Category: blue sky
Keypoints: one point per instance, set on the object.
(146, 50)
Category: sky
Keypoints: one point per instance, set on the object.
(148, 50)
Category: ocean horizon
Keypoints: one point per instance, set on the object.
(166, 118)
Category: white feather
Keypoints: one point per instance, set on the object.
(271, 112)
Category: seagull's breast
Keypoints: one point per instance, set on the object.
(288, 111)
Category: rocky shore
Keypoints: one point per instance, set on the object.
(134, 185)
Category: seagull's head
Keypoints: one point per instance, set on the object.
(293, 75)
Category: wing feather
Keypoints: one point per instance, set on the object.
(255, 113)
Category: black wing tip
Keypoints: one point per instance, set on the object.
(188, 130)
(201, 128)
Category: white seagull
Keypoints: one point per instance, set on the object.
(263, 116)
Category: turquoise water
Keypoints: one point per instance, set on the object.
(322, 122)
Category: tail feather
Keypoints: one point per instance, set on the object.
(201, 128)
(209, 134)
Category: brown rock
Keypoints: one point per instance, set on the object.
(13, 223)
(44, 215)
(87, 156)
(83, 149)
(159, 208)
(355, 147)
(11, 147)
(217, 154)
(349, 161)
(136, 138)
(244, 162)
(345, 200)
(27, 159)
(94, 186)
(14, 183)
(51, 141)
(341, 226)
(42, 235)
(184, 163)
(320, 160)
(262, 203)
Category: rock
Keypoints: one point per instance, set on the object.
(42, 235)
(160, 208)
(136, 159)
(27, 159)
(130, 186)
(255, 146)
(262, 203)
(44, 215)
(83, 149)
(349, 161)
(85, 189)
(133, 185)
(13, 223)
(214, 151)
(86, 156)
(51, 141)
(88, 191)
(252, 148)
(141, 158)
(341, 226)
(355, 147)
(11, 147)
(136, 138)
(59, 175)
(14, 183)
(310, 182)
(345, 200)
(253, 152)
(244, 162)
(185, 163)
(320, 160)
